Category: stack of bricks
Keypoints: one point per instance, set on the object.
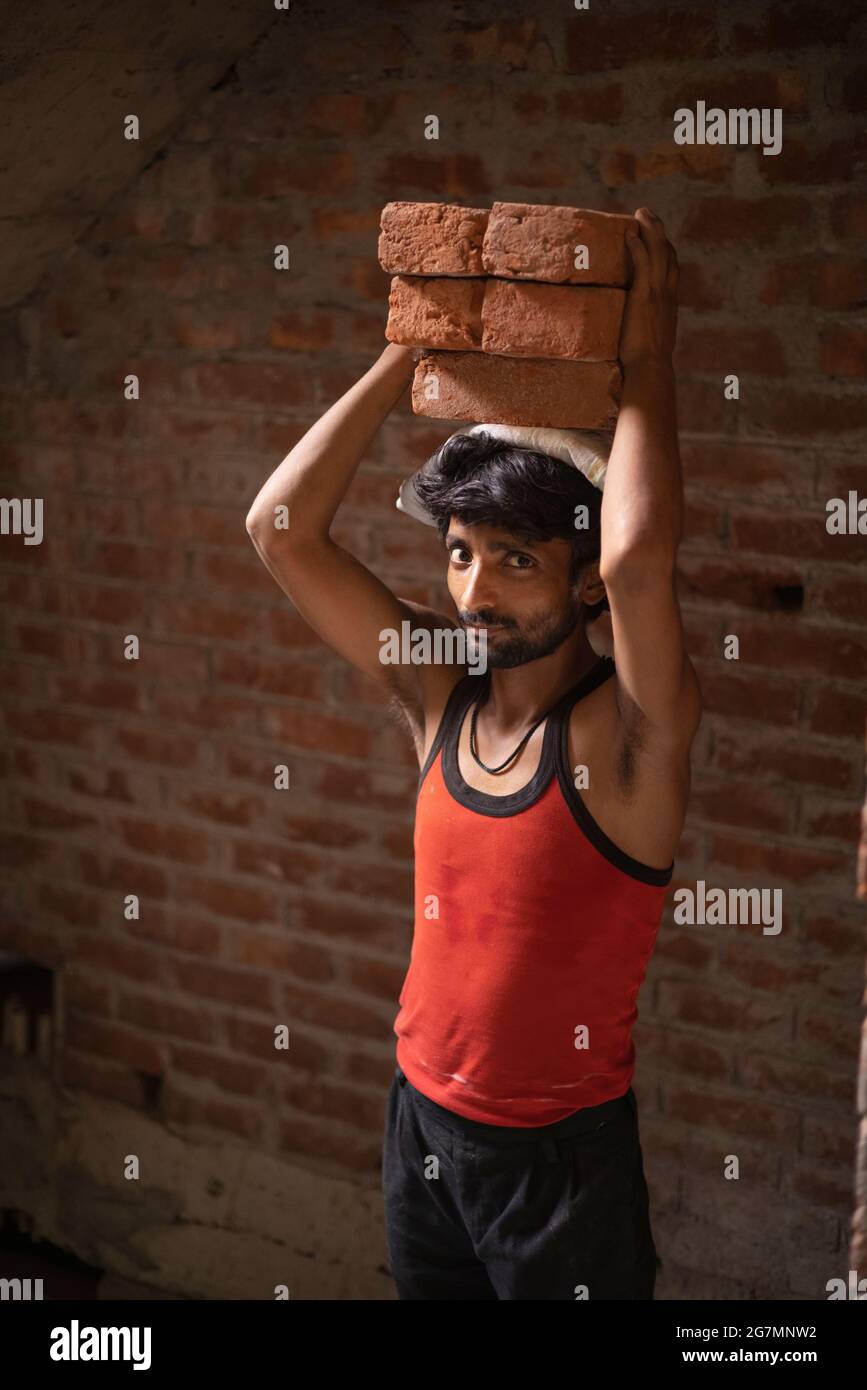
(518, 307)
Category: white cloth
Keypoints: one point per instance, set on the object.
(586, 450)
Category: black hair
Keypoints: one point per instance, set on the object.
(481, 479)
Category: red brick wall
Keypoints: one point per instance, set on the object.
(155, 777)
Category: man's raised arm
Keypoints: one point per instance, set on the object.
(642, 507)
(338, 596)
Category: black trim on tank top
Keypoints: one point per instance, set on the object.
(487, 803)
(458, 691)
(645, 873)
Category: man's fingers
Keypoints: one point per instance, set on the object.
(640, 256)
(662, 255)
(651, 223)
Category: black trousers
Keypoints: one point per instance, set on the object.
(491, 1211)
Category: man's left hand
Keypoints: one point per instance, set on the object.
(649, 326)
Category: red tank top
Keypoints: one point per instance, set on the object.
(532, 936)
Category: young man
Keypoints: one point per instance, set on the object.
(552, 795)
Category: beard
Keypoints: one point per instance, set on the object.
(539, 638)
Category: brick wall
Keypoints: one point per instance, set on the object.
(155, 777)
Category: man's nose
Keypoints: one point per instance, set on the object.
(479, 594)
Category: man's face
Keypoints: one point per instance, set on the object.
(518, 589)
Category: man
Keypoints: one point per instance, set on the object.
(552, 795)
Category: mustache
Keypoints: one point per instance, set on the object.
(488, 622)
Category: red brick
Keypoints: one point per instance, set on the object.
(853, 90)
(794, 759)
(844, 352)
(849, 215)
(432, 239)
(114, 784)
(701, 407)
(787, 88)
(272, 177)
(794, 25)
(329, 50)
(844, 596)
(823, 282)
(519, 391)
(533, 241)
(126, 560)
(204, 709)
(282, 863)
(152, 745)
(736, 580)
(725, 350)
(302, 332)
(750, 221)
(790, 413)
(118, 1084)
(593, 104)
(376, 881)
(436, 312)
(345, 1016)
(119, 958)
(747, 694)
(506, 317)
(784, 533)
(229, 899)
(756, 469)
(189, 328)
(619, 167)
(104, 692)
(201, 618)
(597, 40)
(741, 803)
(242, 988)
(457, 175)
(228, 1073)
(686, 1002)
(831, 820)
(178, 930)
(552, 321)
(509, 41)
(305, 729)
(48, 724)
(268, 951)
(110, 1040)
(47, 815)
(271, 675)
(542, 169)
(530, 107)
(257, 1040)
(810, 162)
(243, 1121)
(165, 840)
(251, 384)
(789, 1077)
(792, 863)
(837, 713)
(328, 223)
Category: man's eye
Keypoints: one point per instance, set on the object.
(528, 558)
(456, 551)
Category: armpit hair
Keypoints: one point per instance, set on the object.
(633, 742)
(403, 705)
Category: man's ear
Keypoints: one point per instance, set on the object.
(591, 589)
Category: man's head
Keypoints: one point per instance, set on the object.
(522, 534)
